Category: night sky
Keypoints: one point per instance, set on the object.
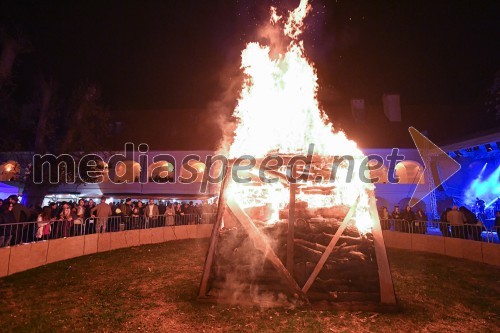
(174, 55)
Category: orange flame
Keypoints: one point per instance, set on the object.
(278, 110)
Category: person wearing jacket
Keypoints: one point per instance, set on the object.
(456, 219)
(102, 211)
(6, 228)
(473, 227)
(151, 213)
(420, 223)
(409, 217)
(169, 214)
(66, 220)
(21, 214)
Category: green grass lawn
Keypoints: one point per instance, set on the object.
(153, 288)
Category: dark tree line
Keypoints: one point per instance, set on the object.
(46, 119)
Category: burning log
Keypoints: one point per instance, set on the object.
(336, 212)
(263, 246)
(317, 238)
(329, 248)
(324, 238)
(318, 249)
(353, 240)
(330, 227)
(314, 246)
(332, 260)
(307, 253)
(299, 213)
(304, 212)
(349, 273)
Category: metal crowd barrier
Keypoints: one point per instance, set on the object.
(28, 232)
(475, 232)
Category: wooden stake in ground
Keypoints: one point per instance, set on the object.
(329, 248)
(387, 295)
(215, 233)
(291, 230)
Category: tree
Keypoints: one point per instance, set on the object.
(77, 127)
(53, 123)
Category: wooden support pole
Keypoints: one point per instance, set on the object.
(262, 245)
(291, 230)
(329, 248)
(215, 234)
(387, 295)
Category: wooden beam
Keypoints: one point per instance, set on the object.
(291, 230)
(215, 234)
(329, 248)
(387, 295)
(260, 243)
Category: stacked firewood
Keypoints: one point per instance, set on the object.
(350, 274)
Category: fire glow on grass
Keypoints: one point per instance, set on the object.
(278, 111)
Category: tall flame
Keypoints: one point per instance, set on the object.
(278, 110)
(278, 107)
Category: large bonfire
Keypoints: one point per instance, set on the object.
(321, 226)
(278, 113)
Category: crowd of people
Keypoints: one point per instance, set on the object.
(403, 221)
(64, 219)
(458, 222)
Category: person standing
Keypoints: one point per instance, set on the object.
(54, 210)
(151, 213)
(191, 213)
(67, 219)
(102, 211)
(456, 219)
(421, 222)
(178, 211)
(480, 206)
(21, 214)
(396, 216)
(409, 219)
(135, 218)
(140, 208)
(125, 213)
(6, 228)
(169, 214)
(44, 221)
(473, 228)
(385, 221)
(80, 218)
(444, 225)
